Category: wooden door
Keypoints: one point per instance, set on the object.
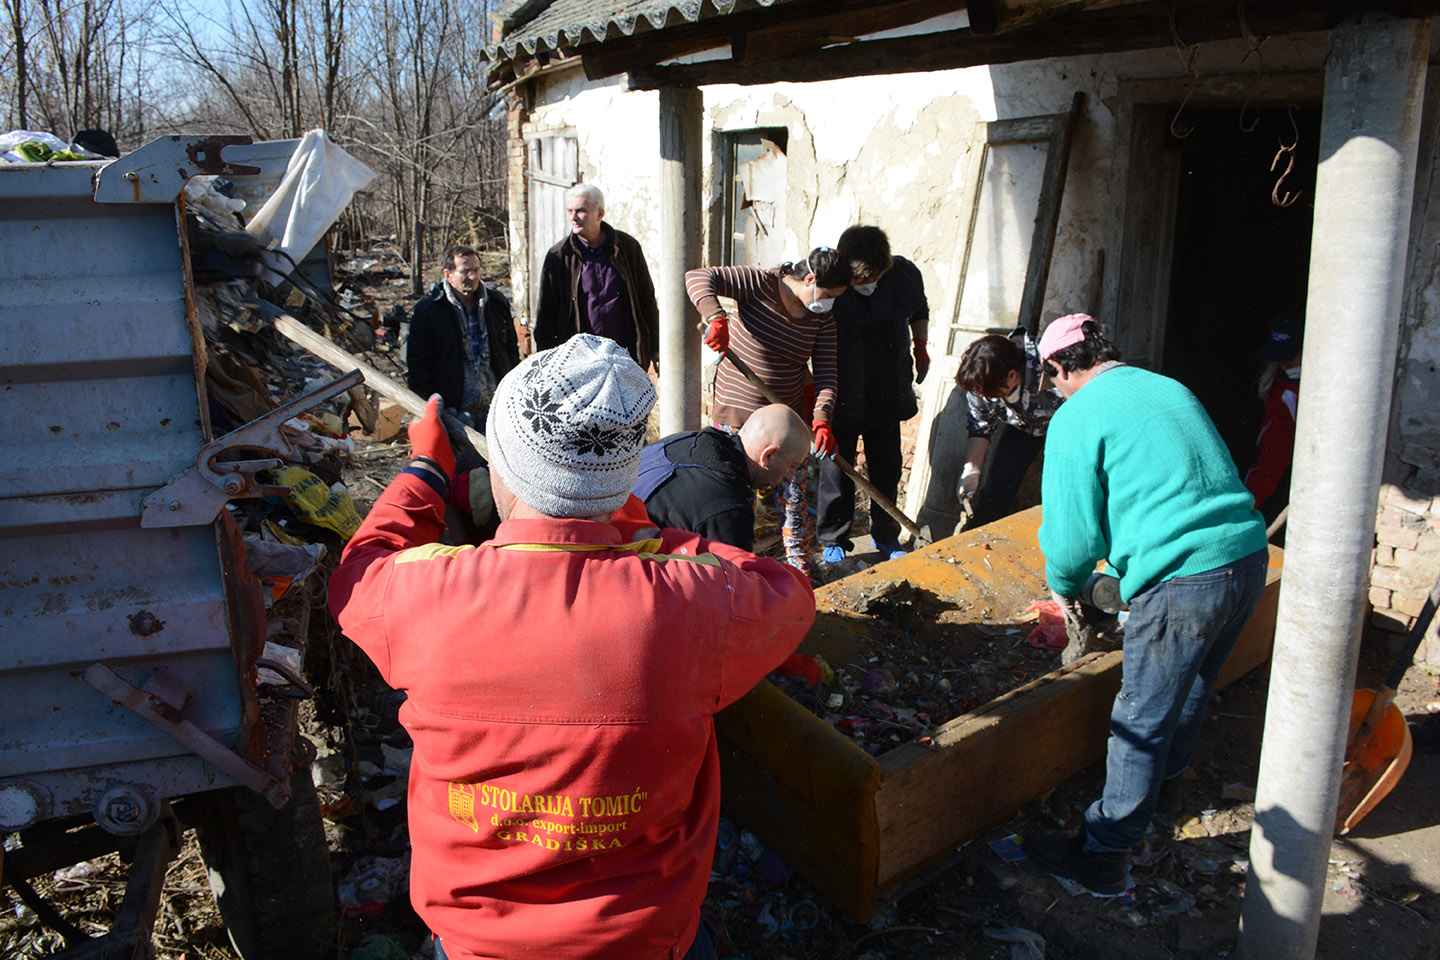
(554, 168)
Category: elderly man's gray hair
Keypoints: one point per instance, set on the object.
(590, 192)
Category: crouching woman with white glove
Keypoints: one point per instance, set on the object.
(1008, 411)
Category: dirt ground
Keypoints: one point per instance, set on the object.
(1382, 893)
(1382, 896)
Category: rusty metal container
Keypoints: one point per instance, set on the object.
(855, 825)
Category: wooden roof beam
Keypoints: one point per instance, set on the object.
(998, 16)
(784, 29)
(1129, 27)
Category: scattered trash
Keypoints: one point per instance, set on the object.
(397, 761)
(372, 885)
(316, 503)
(1009, 849)
(1024, 944)
(1049, 632)
(80, 871)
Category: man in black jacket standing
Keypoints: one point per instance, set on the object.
(462, 340)
(876, 321)
(596, 281)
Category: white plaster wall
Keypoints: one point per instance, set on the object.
(619, 139)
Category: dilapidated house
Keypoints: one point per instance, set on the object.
(1182, 170)
(1151, 163)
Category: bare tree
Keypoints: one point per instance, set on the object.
(74, 64)
(20, 72)
(398, 82)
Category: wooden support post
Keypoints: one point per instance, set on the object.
(681, 111)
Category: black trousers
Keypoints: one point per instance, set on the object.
(835, 500)
(1010, 455)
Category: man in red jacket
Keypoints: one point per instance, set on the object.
(561, 678)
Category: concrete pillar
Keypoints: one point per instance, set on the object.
(681, 113)
(1374, 87)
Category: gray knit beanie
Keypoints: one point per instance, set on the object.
(566, 427)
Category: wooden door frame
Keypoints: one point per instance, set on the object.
(1140, 234)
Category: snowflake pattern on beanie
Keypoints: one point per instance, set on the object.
(566, 427)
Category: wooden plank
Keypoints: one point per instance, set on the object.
(805, 790)
(1047, 217)
(294, 330)
(992, 762)
(995, 760)
(841, 26)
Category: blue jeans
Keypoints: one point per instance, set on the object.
(1179, 633)
(702, 949)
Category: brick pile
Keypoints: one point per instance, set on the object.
(1406, 565)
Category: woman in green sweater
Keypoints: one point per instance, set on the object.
(1137, 475)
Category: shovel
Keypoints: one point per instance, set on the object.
(921, 535)
(1378, 750)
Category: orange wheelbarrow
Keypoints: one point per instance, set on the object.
(1378, 749)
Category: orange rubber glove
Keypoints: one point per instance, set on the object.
(824, 445)
(429, 440)
(717, 335)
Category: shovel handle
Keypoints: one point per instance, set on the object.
(1386, 694)
(873, 492)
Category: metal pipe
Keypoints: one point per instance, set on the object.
(681, 111)
(1374, 88)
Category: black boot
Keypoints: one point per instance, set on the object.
(1101, 873)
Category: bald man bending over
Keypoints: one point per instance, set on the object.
(705, 481)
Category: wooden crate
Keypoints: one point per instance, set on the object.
(854, 825)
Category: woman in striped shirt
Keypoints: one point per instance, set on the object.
(784, 324)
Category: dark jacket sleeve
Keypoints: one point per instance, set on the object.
(422, 351)
(554, 303)
(646, 309)
(506, 350)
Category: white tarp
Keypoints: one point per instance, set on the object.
(318, 184)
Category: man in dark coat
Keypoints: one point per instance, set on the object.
(705, 481)
(462, 340)
(876, 321)
(596, 281)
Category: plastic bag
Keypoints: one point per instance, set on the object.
(316, 503)
(317, 187)
(1049, 633)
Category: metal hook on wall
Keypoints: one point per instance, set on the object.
(1275, 198)
(1175, 130)
(1253, 123)
(1294, 130)
(1288, 152)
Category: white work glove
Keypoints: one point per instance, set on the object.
(969, 482)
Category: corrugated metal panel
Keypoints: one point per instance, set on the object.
(568, 23)
(102, 408)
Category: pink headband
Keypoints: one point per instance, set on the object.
(1063, 332)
